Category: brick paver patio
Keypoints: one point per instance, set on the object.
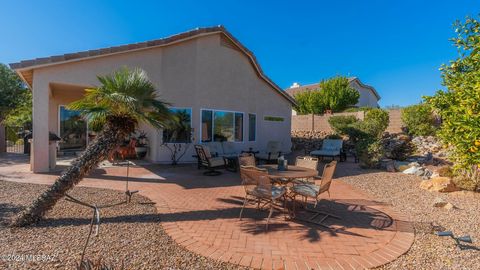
(201, 214)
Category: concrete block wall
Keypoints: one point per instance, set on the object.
(320, 122)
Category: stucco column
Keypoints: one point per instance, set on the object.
(40, 157)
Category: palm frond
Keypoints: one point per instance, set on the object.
(125, 93)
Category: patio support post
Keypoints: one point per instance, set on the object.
(40, 157)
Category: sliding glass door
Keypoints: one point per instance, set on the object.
(73, 130)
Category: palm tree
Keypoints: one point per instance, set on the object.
(123, 100)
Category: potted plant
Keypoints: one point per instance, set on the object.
(141, 145)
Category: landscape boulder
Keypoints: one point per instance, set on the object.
(414, 170)
(440, 184)
(439, 202)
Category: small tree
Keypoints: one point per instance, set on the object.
(334, 94)
(337, 94)
(309, 102)
(419, 120)
(459, 106)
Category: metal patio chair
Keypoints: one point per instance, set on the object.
(206, 160)
(310, 190)
(259, 189)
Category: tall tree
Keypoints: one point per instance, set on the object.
(123, 100)
(13, 92)
(334, 94)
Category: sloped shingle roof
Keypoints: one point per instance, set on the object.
(25, 68)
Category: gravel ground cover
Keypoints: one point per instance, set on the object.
(129, 235)
(428, 251)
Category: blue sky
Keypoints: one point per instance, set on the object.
(395, 46)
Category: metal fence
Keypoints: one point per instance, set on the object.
(14, 139)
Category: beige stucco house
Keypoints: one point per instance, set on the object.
(206, 73)
(369, 97)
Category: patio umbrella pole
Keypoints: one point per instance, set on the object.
(128, 193)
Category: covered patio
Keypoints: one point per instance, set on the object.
(201, 214)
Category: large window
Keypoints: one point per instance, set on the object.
(73, 130)
(252, 127)
(180, 130)
(222, 126)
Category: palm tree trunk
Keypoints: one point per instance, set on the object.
(112, 135)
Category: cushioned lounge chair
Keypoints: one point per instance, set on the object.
(271, 153)
(330, 148)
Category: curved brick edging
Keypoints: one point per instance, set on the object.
(201, 214)
(225, 238)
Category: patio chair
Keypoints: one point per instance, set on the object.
(246, 159)
(259, 189)
(271, 153)
(322, 185)
(206, 160)
(330, 148)
(215, 148)
(306, 162)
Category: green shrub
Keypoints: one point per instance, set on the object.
(369, 152)
(375, 122)
(341, 123)
(466, 183)
(419, 120)
(366, 134)
(459, 106)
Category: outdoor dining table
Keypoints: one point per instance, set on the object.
(291, 173)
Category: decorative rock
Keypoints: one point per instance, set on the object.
(426, 184)
(428, 144)
(401, 165)
(397, 146)
(439, 202)
(414, 164)
(449, 206)
(390, 167)
(427, 174)
(440, 184)
(416, 170)
(307, 140)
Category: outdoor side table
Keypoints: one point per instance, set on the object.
(232, 163)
